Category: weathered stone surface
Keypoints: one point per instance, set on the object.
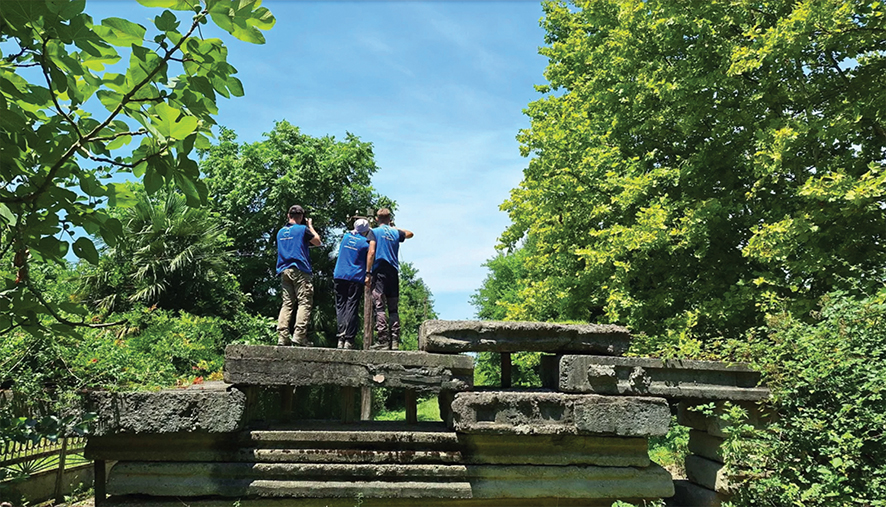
(502, 483)
(687, 494)
(554, 450)
(714, 424)
(369, 456)
(163, 447)
(706, 445)
(141, 501)
(535, 413)
(476, 336)
(174, 411)
(352, 436)
(707, 473)
(675, 379)
(291, 480)
(297, 366)
(506, 482)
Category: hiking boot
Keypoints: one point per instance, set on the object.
(380, 346)
(395, 345)
(348, 344)
(341, 343)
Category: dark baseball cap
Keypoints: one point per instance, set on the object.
(295, 209)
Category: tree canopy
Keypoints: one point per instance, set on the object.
(252, 185)
(56, 157)
(693, 165)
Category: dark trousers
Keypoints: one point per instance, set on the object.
(386, 293)
(347, 300)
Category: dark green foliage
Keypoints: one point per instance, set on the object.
(57, 150)
(827, 378)
(170, 256)
(416, 305)
(251, 186)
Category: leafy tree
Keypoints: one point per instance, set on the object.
(501, 288)
(252, 186)
(693, 165)
(171, 256)
(416, 305)
(55, 157)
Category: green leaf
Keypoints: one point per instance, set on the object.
(166, 22)
(69, 307)
(176, 5)
(121, 32)
(7, 216)
(120, 195)
(84, 249)
(168, 123)
(189, 188)
(153, 180)
(51, 248)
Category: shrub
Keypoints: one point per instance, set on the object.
(827, 379)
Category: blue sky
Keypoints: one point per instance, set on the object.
(438, 88)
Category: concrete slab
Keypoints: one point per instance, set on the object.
(587, 482)
(291, 480)
(687, 494)
(706, 445)
(557, 450)
(172, 411)
(501, 483)
(297, 366)
(450, 336)
(707, 473)
(535, 413)
(714, 424)
(673, 379)
(358, 499)
(163, 447)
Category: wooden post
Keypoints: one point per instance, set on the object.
(60, 476)
(411, 407)
(366, 391)
(506, 369)
(100, 481)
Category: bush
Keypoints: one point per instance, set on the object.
(827, 379)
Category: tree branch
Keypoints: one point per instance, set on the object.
(120, 134)
(58, 107)
(63, 320)
(53, 171)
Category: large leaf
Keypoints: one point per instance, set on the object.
(170, 122)
(84, 249)
(176, 5)
(121, 32)
(121, 195)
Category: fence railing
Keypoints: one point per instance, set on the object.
(44, 455)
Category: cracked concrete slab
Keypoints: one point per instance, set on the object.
(450, 336)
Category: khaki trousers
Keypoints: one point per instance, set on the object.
(297, 289)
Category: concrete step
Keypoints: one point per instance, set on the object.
(292, 480)
(349, 456)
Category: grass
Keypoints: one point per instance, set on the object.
(428, 410)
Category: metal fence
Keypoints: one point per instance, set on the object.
(19, 459)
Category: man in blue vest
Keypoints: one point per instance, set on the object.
(357, 251)
(386, 280)
(294, 268)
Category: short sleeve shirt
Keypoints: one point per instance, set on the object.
(387, 247)
(351, 262)
(292, 248)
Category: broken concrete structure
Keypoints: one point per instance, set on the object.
(451, 336)
(583, 441)
(668, 378)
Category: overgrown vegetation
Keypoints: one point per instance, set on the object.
(827, 443)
